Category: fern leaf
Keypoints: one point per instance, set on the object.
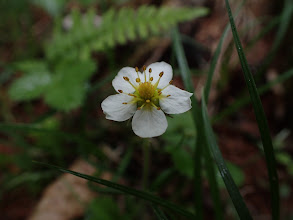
(117, 27)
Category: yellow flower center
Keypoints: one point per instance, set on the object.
(146, 93)
(146, 90)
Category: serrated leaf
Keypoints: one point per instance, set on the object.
(64, 96)
(29, 86)
(75, 71)
(64, 93)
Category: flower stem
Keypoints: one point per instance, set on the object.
(146, 163)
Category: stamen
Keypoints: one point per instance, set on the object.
(139, 108)
(158, 108)
(161, 74)
(127, 80)
(119, 90)
(166, 86)
(137, 80)
(150, 71)
(171, 82)
(147, 101)
(168, 95)
(151, 79)
(136, 70)
(144, 68)
(124, 103)
(132, 95)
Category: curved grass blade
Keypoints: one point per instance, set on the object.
(215, 58)
(261, 120)
(228, 180)
(285, 20)
(214, 61)
(242, 101)
(159, 213)
(200, 140)
(130, 191)
(214, 187)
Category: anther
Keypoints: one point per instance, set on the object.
(144, 68)
(168, 95)
(132, 95)
(171, 82)
(136, 69)
(148, 101)
(161, 74)
(151, 79)
(138, 108)
(137, 80)
(119, 90)
(150, 70)
(158, 108)
(125, 78)
(124, 103)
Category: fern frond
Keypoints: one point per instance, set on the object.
(116, 27)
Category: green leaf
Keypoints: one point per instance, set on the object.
(68, 87)
(236, 173)
(72, 70)
(130, 191)
(31, 85)
(116, 27)
(226, 176)
(103, 208)
(261, 120)
(53, 7)
(65, 96)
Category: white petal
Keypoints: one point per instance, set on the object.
(159, 67)
(115, 110)
(149, 122)
(178, 101)
(120, 84)
(175, 91)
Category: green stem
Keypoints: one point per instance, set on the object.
(146, 163)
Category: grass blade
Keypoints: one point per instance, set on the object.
(242, 101)
(214, 186)
(200, 140)
(213, 65)
(283, 27)
(261, 120)
(159, 213)
(228, 180)
(130, 191)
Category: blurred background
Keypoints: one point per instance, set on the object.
(57, 61)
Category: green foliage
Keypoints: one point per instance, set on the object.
(63, 88)
(63, 76)
(236, 173)
(104, 208)
(180, 142)
(53, 7)
(33, 83)
(90, 32)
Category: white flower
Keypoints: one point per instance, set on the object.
(147, 97)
